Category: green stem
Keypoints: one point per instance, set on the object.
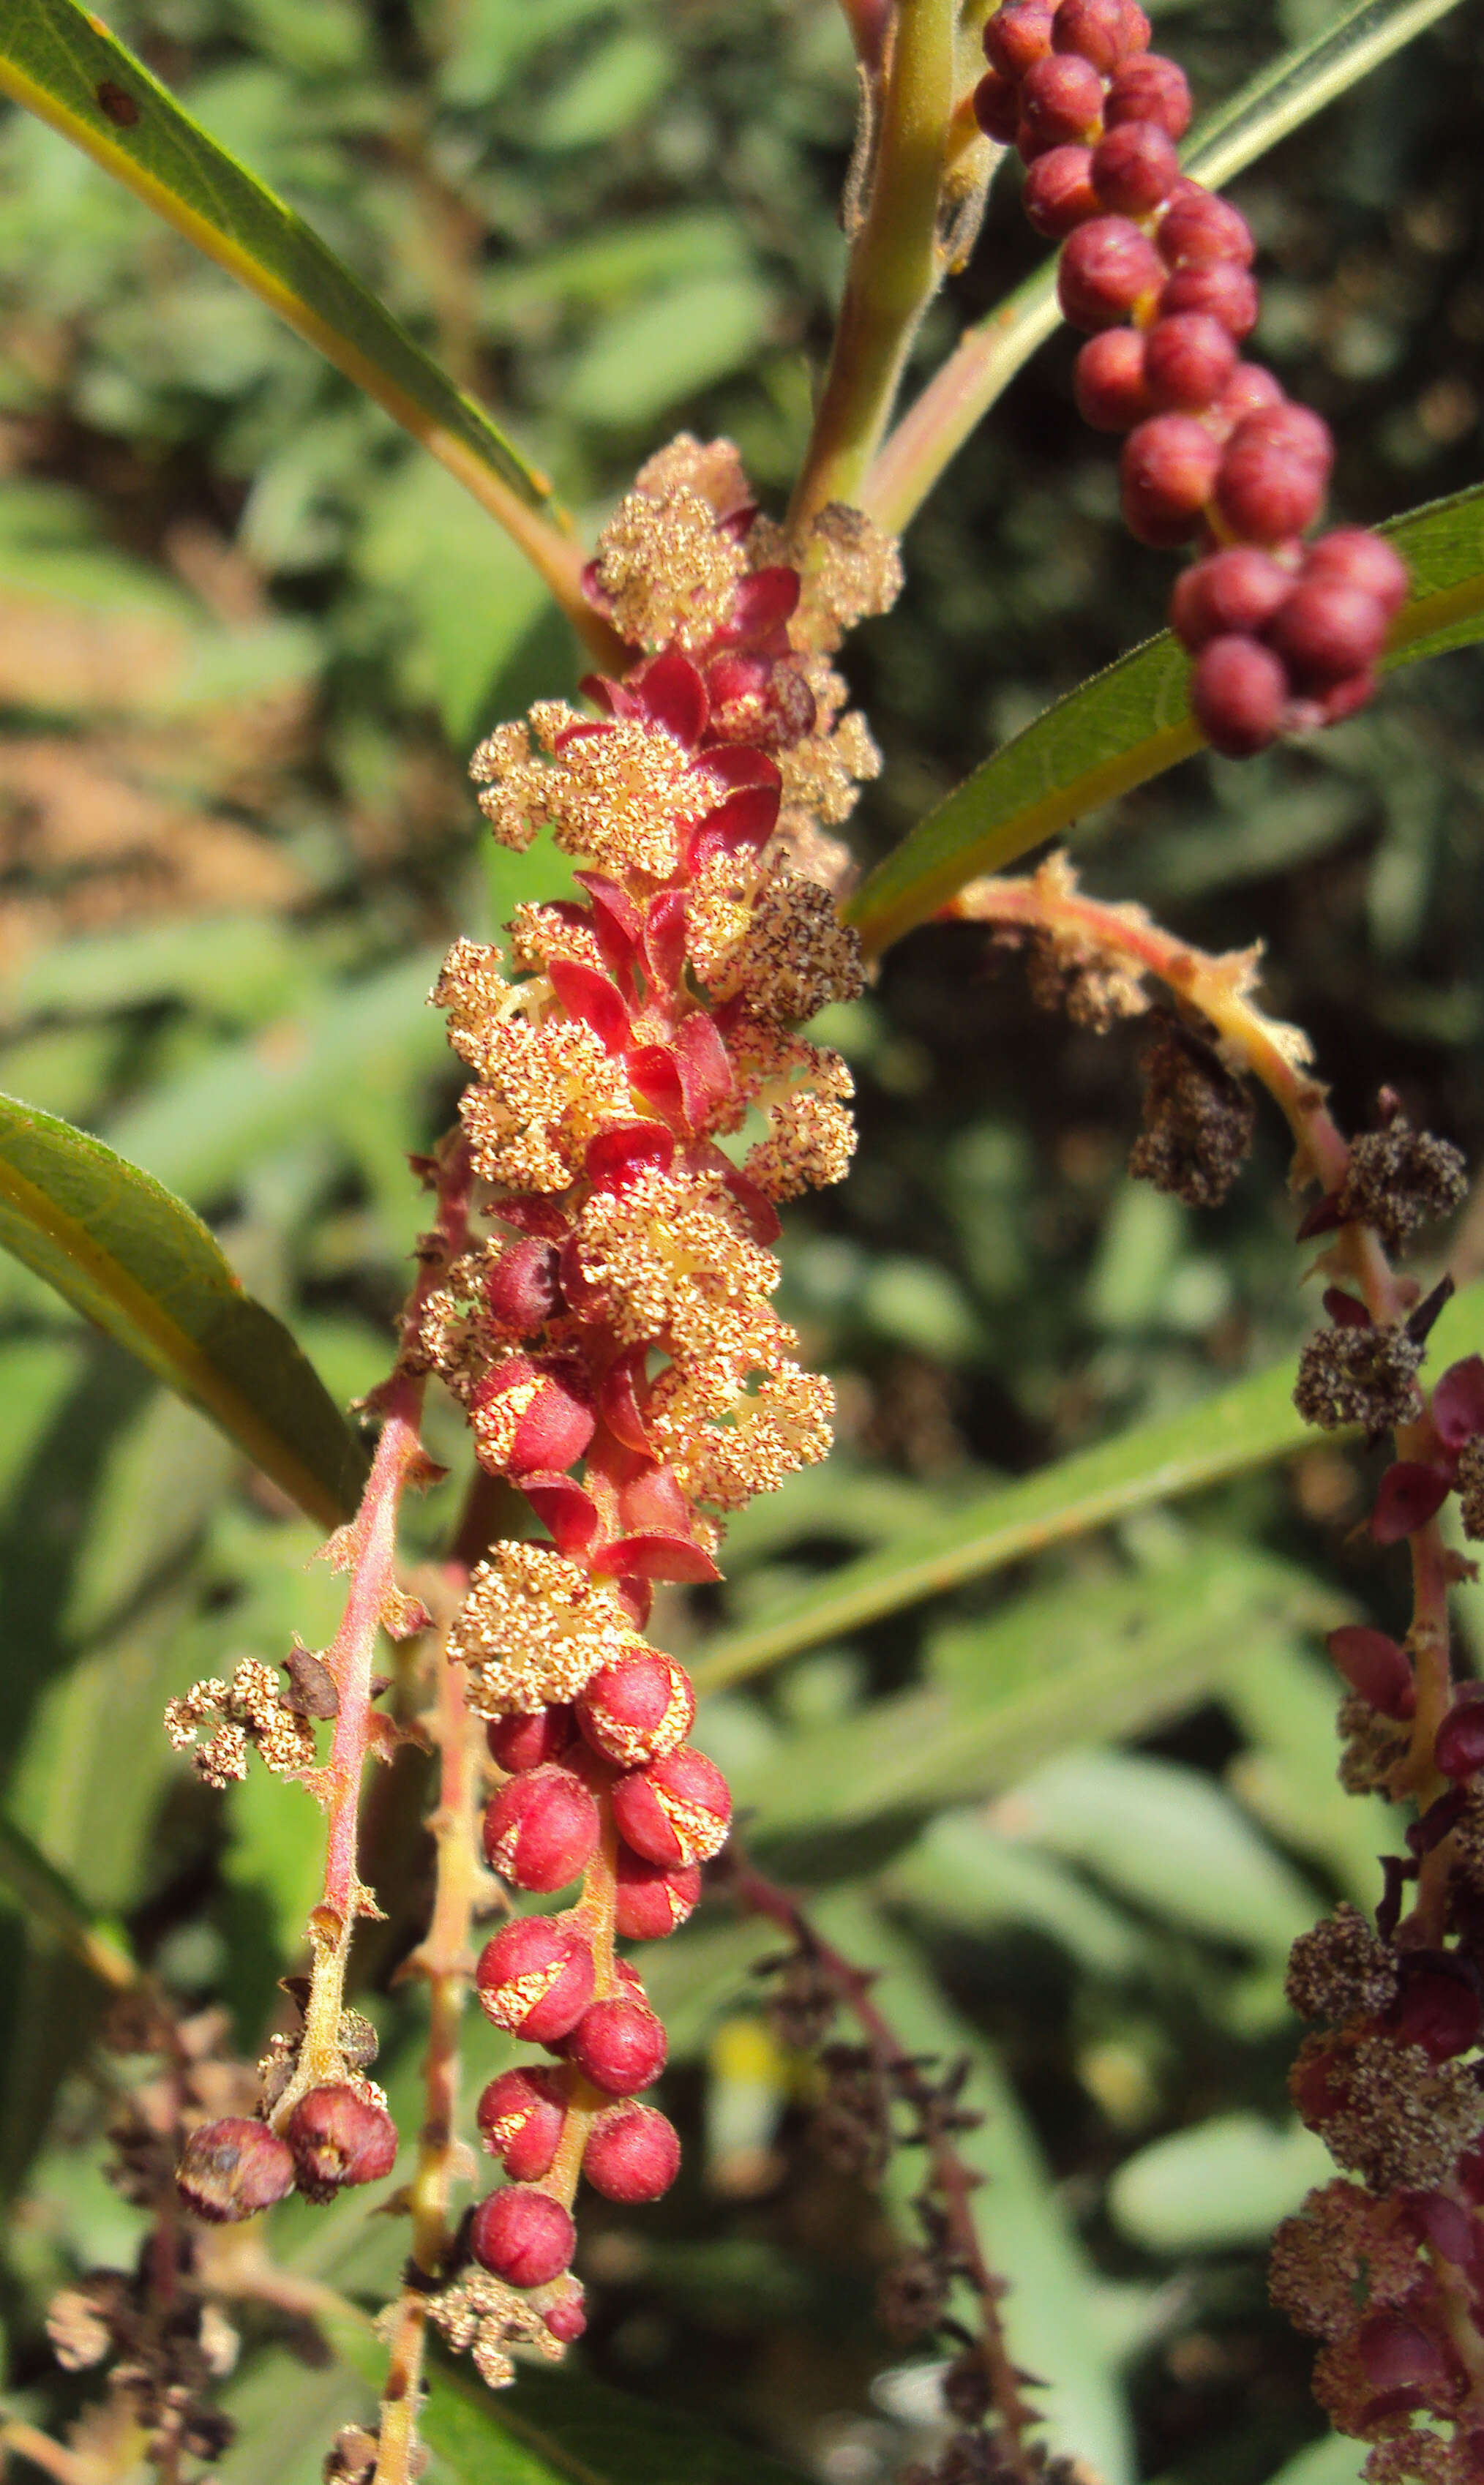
(895, 264)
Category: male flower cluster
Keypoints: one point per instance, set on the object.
(613, 1343)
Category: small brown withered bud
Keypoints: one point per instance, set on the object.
(802, 2005)
(1372, 1747)
(1198, 1119)
(232, 2169)
(911, 2297)
(311, 1691)
(340, 2136)
(1360, 1376)
(1398, 1179)
(352, 2457)
(1469, 1483)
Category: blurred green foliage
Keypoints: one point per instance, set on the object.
(246, 637)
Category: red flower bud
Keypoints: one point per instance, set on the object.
(233, 2168)
(997, 108)
(566, 2318)
(542, 1829)
(633, 2153)
(521, 2116)
(1375, 1667)
(1458, 1403)
(522, 2236)
(1134, 168)
(1059, 194)
(1060, 105)
(1187, 361)
(1219, 287)
(534, 1979)
(639, 1709)
(1234, 590)
(1274, 471)
(1326, 631)
(1437, 2009)
(338, 2137)
(1196, 226)
(522, 1742)
(1238, 691)
(1018, 36)
(1410, 1495)
(675, 1811)
(1108, 381)
(619, 2046)
(520, 1288)
(1107, 268)
(1166, 471)
(1360, 559)
(1100, 31)
(1152, 90)
(1459, 1745)
(651, 1901)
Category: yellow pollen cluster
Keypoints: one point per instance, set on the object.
(496, 1422)
(809, 1144)
(793, 953)
(538, 934)
(672, 1262)
(766, 1431)
(821, 773)
(546, 1090)
(535, 1629)
(667, 574)
(253, 1715)
(476, 995)
(620, 798)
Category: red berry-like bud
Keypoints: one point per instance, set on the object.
(1239, 588)
(677, 1811)
(1217, 286)
(1458, 1403)
(1166, 471)
(233, 2168)
(542, 1829)
(619, 2045)
(1107, 268)
(521, 2116)
(520, 1288)
(1153, 91)
(1060, 102)
(1274, 472)
(566, 2318)
(521, 1742)
(1411, 1493)
(1459, 1748)
(522, 2236)
(1108, 380)
(1059, 194)
(633, 2153)
(1134, 168)
(1238, 693)
(340, 2137)
(997, 108)
(1099, 31)
(1326, 630)
(1196, 226)
(1251, 390)
(1017, 37)
(534, 1979)
(639, 1709)
(1187, 361)
(1376, 1668)
(1360, 558)
(650, 1901)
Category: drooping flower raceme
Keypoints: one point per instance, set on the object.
(640, 1101)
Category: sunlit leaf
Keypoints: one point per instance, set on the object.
(133, 1259)
(64, 65)
(1130, 724)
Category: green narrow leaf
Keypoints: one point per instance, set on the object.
(1278, 100)
(1245, 1425)
(63, 65)
(132, 1258)
(1130, 724)
(46, 1897)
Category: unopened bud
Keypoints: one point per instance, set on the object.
(232, 2169)
(522, 2236)
(619, 2046)
(639, 1709)
(520, 1742)
(542, 1829)
(1459, 1747)
(675, 1811)
(534, 1979)
(338, 2137)
(521, 2116)
(652, 1899)
(633, 2153)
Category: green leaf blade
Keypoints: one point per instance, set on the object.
(133, 1260)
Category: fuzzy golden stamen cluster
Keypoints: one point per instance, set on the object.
(255, 1717)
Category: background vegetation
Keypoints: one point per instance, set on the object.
(247, 636)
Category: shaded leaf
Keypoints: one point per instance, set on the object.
(1225, 2183)
(133, 1259)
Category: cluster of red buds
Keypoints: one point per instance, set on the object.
(1157, 274)
(612, 1343)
